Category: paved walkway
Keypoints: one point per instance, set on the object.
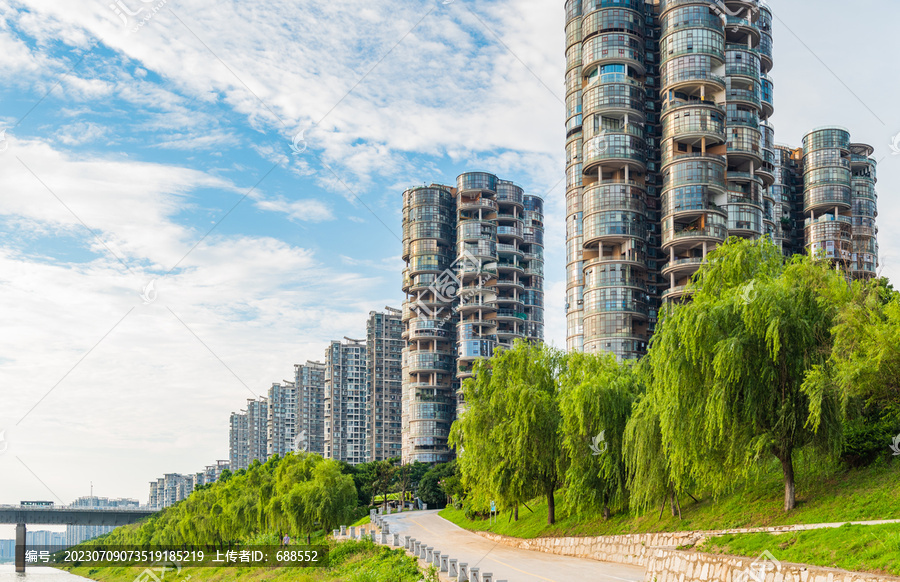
(503, 562)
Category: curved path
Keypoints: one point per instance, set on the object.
(504, 562)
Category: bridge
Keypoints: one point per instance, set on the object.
(61, 515)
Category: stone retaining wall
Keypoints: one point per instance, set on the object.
(636, 549)
(681, 566)
(665, 563)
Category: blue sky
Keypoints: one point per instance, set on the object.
(164, 153)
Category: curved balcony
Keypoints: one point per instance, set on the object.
(427, 362)
(509, 193)
(693, 122)
(419, 265)
(505, 283)
(476, 349)
(514, 232)
(830, 137)
(745, 220)
(675, 76)
(739, 27)
(477, 204)
(689, 201)
(614, 195)
(573, 10)
(612, 227)
(743, 144)
(615, 150)
(509, 249)
(573, 33)
(686, 169)
(827, 197)
(682, 267)
(602, 20)
(768, 96)
(511, 315)
(615, 99)
(589, 6)
(477, 182)
(712, 233)
(676, 293)
(476, 230)
(690, 42)
(606, 48)
(688, 17)
(741, 61)
(429, 329)
(635, 258)
(612, 300)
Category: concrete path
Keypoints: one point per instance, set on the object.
(503, 562)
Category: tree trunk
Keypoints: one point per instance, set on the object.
(551, 508)
(672, 502)
(606, 512)
(787, 467)
(516, 513)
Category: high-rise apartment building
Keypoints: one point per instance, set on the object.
(239, 440)
(669, 151)
(174, 487)
(258, 429)
(384, 354)
(282, 418)
(474, 282)
(309, 378)
(248, 434)
(346, 401)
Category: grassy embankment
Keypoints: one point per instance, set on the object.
(349, 561)
(823, 497)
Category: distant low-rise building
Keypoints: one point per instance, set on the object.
(75, 534)
(174, 487)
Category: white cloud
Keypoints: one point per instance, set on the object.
(298, 210)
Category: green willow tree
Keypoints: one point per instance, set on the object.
(595, 402)
(297, 494)
(508, 439)
(865, 362)
(729, 367)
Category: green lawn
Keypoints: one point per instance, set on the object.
(873, 549)
(353, 562)
(857, 495)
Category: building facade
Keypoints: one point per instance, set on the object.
(174, 487)
(384, 355)
(309, 378)
(669, 151)
(239, 440)
(249, 434)
(474, 282)
(346, 401)
(282, 418)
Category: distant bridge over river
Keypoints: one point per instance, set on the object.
(22, 515)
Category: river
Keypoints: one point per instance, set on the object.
(8, 574)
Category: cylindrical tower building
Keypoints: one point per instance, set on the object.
(477, 259)
(533, 259)
(864, 262)
(429, 379)
(614, 164)
(827, 194)
(694, 202)
(574, 144)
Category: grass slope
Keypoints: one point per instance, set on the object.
(859, 548)
(823, 497)
(351, 561)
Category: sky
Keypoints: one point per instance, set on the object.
(194, 196)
